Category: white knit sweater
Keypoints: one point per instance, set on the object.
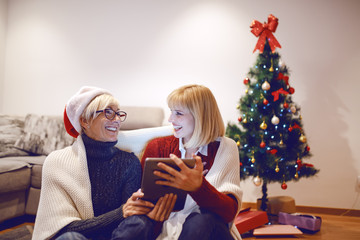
(224, 175)
(65, 191)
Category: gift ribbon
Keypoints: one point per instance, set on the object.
(265, 30)
(283, 77)
(278, 92)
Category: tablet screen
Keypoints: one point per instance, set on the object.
(152, 191)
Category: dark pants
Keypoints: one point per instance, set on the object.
(131, 228)
(205, 226)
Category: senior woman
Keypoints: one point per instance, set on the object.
(91, 187)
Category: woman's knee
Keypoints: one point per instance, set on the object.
(71, 236)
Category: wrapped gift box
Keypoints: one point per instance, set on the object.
(307, 222)
(248, 220)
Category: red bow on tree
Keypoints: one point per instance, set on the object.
(283, 77)
(278, 92)
(265, 31)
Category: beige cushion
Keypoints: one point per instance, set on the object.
(36, 173)
(43, 134)
(135, 140)
(32, 202)
(142, 117)
(17, 180)
(12, 205)
(11, 128)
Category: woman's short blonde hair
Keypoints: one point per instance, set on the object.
(100, 102)
(202, 104)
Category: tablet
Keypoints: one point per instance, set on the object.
(152, 191)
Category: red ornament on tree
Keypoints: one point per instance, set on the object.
(286, 105)
(290, 129)
(240, 119)
(265, 101)
(291, 90)
(307, 148)
(262, 144)
(283, 185)
(246, 81)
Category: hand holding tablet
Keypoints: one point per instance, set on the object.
(166, 169)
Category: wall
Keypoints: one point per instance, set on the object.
(142, 50)
(3, 19)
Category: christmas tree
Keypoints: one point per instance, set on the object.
(269, 133)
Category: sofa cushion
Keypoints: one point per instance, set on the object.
(8, 164)
(17, 180)
(135, 140)
(43, 134)
(11, 128)
(12, 205)
(142, 117)
(36, 176)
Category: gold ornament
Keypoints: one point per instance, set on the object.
(302, 138)
(252, 159)
(238, 143)
(277, 169)
(263, 125)
(238, 106)
(300, 117)
(257, 181)
(244, 121)
(271, 68)
(296, 175)
(265, 86)
(281, 142)
(247, 90)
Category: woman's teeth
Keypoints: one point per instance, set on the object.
(111, 128)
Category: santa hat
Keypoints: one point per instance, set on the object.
(76, 105)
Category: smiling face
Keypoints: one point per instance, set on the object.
(102, 129)
(183, 122)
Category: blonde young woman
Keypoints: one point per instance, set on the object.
(90, 189)
(213, 185)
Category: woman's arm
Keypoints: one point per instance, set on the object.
(211, 199)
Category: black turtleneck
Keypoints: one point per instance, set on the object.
(114, 176)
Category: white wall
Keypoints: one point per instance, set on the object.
(3, 19)
(141, 50)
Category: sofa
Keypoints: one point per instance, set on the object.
(25, 141)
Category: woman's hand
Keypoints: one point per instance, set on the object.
(135, 206)
(188, 179)
(163, 208)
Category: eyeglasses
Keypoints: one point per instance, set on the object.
(110, 114)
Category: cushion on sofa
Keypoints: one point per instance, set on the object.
(43, 134)
(17, 180)
(11, 128)
(10, 164)
(142, 117)
(136, 140)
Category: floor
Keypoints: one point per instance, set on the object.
(333, 227)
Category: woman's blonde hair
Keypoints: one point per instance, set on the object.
(201, 103)
(100, 102)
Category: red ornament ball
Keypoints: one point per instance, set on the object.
(284, 186)
(240, 119)
(262, 144)
(307, 148)
(290, 129)
(265, 101)
(298, 162)
(291, 90)
(286, 105)
(246, 81)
